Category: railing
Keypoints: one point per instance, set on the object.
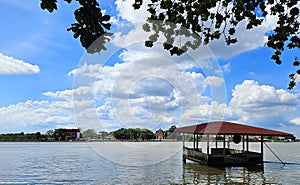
(220, 156)
(194, 154)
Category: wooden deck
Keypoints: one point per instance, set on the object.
(223, 157)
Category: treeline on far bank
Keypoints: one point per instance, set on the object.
(57, 135)
(24, 137)
(138, 134)
(50, 135)
(133, 134)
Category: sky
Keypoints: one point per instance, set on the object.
(48, 81)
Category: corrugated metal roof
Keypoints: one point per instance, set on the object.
(228, 128)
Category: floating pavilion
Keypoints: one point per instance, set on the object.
(228, 132)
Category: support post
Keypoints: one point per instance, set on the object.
(194, 142)
(224, 144)
(228, 144)
(243, 143)
(247, 138)
(216, 141)
(262, 149)
(183, 148)
(261, 144)
(197, 142)
(207, 144)
(183, 140)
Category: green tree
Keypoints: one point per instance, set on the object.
(37, 136)
(49, 133)
(146, 134)
(208, 19)
(59, 134)
(133, 134)
(89, 133)
(120, 134)
(172, 128)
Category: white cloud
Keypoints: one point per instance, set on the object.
(149, 88)
(226, 67)
(145, 90)
(73, 94)
(9, 65)
(36, 115)
(263, 104)
(127, 12)
(247, 39)
(296, 121)
(215, 81)
(251, 94)
(32, 116)
(206, 112)
(86, 70)
(251, 103)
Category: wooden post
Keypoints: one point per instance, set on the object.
(207, 144)
(183, 140)
(261, 144)
(247, 140)
(262, 149)
(243, 143)
(194, 142)
(197, 141)
(183, 148)
(224, 144)
(229, 141)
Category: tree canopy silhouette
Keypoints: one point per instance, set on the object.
(208, 19)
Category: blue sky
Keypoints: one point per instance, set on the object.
(48, 81)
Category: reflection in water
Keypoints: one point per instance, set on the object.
(194, 173)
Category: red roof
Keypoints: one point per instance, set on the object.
(228, 128)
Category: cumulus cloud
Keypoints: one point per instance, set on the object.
(9, 65)
(263, 104)
(127, 12)
(86, 70)
(251, 94)
(215, 81)
(72, 94)
(37, 115)
(296, 121)
(206, 112)
(251, 103)
(247, 39)
(32, 116)
(147, 89)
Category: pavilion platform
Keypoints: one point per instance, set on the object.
(225, 155)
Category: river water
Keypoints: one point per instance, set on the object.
(134, 163)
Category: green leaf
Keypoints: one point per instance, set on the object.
(146, 27)
(231, 31)
(294, 11)
(105, 18)
(137, 4)
(50, 5)
(167, 46)
(149, 43)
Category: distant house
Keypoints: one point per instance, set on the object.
(160, 134)
(71, 133)
(102, 135)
